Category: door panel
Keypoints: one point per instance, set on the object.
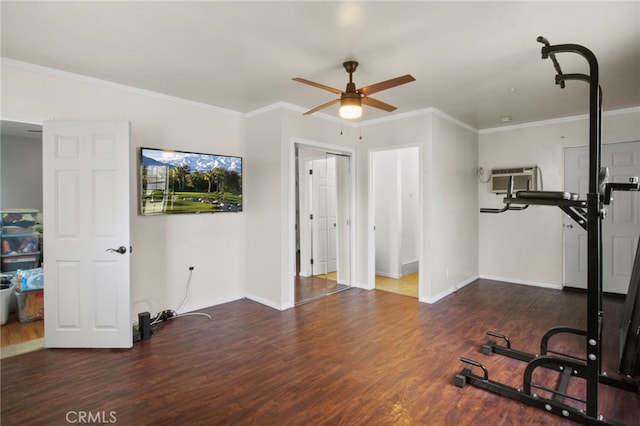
(342, 224)
(621, 226)
(319, 213)
(86, 214)
(331, 213)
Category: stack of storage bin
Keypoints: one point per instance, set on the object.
(21, 257)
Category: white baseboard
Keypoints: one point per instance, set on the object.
(521, 282)
(443, 294)
(208, 304)
(388, 275)
(269, 303)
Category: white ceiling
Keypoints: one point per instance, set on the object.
(476, 61)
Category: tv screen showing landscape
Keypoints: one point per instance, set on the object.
(178, 182)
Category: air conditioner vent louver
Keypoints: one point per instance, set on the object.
(511, 170)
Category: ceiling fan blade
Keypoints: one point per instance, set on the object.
(318, 108)
(384, 85)
(377, 104)
(318, 85)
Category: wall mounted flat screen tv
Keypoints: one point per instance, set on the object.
(178, 182)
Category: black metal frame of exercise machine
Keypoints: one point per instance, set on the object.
(588, 214)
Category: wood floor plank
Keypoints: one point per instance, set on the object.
(14, 331)
(407, 285)
(354, 358)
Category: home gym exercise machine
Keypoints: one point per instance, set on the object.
(588, 214)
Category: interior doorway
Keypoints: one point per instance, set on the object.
(20, 150)
(323, 222)
(395, 209)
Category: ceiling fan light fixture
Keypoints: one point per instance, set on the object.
(351, 99)
(350, 108)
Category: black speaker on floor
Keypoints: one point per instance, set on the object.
(144, 325)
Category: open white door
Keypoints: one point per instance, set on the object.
(86, 217)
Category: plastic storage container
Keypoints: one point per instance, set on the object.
(6, 293)
(29, 279)
(20, 243)
(18, 218)
(20, 251)
(30, 305)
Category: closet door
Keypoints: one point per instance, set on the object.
(323, 210)
(339, 202)
(620, 227)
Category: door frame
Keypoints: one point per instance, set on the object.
(371, 234)
(20, 118)
(37, 120)
(328, 148)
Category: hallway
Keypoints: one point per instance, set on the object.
(407, 285)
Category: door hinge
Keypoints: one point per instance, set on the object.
(311, 217)
(310, 171)
(311, 261)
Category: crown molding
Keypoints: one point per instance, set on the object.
(12, 63)
(557, 120)
(295, 108)
(402, 116)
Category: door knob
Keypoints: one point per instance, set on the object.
(121, 250)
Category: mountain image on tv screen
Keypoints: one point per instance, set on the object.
(174, 182)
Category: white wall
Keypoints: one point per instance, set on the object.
(163, 246)
(526, 247)
(410, 204)
(251, 253)
(263, 201)
(449, 219)
(271, 136)
(451, 201)
(20, 173)
(387, 213)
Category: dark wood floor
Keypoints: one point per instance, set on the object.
(354, 358)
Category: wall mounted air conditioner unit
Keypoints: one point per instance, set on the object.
(524, 179)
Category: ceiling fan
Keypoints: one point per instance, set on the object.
(351, 99)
